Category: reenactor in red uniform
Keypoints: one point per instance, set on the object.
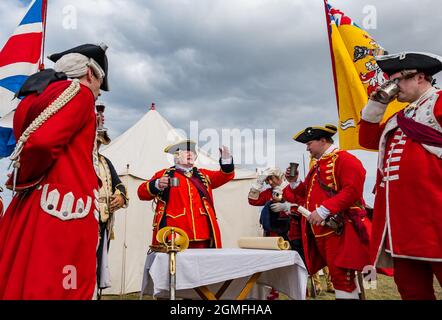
(336, 234)
(49, 233)
(407, 218)
(184, 195)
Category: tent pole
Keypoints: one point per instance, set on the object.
(123, 267)
(123, 262)
(303, 164)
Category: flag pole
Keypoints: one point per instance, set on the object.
(327, 19)
(44, 16)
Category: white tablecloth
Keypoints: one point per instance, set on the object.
(283, 270)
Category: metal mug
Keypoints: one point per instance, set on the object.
(293, 168)
(174, 182)
(387, 91)
(277, 196)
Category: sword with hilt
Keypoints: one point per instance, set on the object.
(171, 241)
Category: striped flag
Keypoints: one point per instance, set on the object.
(356, 73)
(21, 56)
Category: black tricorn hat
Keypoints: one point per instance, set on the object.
(96, 52)
(315, 133)
(427, 63)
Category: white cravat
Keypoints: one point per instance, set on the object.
(329, 150)
(184, 169)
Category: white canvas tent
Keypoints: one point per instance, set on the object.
(137, 154)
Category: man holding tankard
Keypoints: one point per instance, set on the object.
(183, 195)
(336, 233)
(407, 218)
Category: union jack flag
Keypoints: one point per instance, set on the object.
(21, 56)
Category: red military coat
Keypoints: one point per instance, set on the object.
(185, 208)
(294, 232)
(49, 233)
(344, 173)
(407, 218)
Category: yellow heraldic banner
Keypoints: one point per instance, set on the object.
(356, 73)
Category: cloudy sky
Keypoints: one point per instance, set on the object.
(249, 64)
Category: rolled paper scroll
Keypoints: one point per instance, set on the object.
(303, 211)
(269, 243)
(306, 213)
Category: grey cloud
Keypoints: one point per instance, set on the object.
(227, 63)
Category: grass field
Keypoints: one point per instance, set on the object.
(385, 290)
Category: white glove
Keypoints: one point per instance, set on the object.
(258, 185)
(225, 153)
(281, 206)
(261, 179)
